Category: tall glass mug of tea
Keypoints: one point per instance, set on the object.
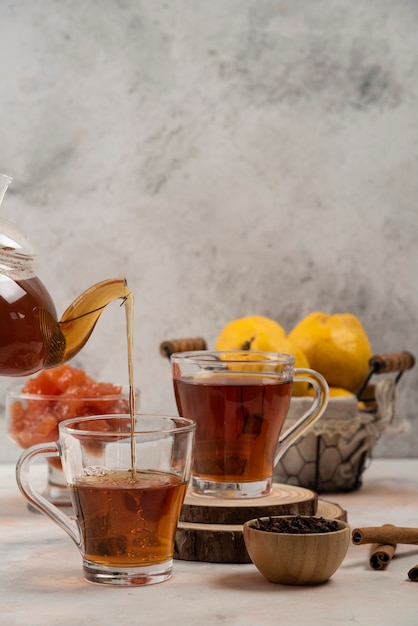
(127, 480)
(239, 401)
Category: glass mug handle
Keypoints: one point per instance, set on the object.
(44, 450)
(312, 415)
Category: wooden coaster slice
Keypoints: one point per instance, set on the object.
(283, 500)
(224, 543)
(210, 543)
(330, 510)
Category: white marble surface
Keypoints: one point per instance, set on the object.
(228, 158)
(42, 584)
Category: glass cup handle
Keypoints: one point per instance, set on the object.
(312, 415)
(34, 497)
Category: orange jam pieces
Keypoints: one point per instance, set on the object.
(58, 394)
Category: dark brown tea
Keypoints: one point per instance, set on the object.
(128, 520)
(20, 304)
(238, 422)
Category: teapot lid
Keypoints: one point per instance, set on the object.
(14, 243)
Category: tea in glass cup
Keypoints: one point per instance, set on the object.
(239, 401)
(127, 486)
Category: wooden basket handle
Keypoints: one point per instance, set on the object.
(392, 362)
(187, 344)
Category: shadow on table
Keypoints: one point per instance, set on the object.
(255, 582)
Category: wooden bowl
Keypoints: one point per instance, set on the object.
(296, 559)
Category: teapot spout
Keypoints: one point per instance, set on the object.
(78, 321)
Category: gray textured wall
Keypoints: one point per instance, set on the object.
(228, 158)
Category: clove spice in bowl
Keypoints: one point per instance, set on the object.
(295, 549)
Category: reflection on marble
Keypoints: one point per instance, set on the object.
(42, 584)
(228, 158)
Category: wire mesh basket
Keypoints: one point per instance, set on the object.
(333, 455)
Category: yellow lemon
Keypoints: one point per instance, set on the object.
(335, 392)
(250, 333)
(287, 346)
(339, 392)
(336, 346)
(263, 334)
(246, 362)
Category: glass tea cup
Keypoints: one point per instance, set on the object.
(127, 487)
(239, 401)
(33, 418)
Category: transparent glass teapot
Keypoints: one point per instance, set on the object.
(31, 337)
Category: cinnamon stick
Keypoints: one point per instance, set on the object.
(386, 534)
(381, 555)
(413, 574)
